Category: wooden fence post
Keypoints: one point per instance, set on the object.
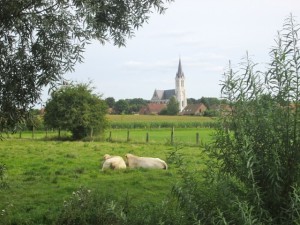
(172, 135)
(197, 138)
(92, 131)
(147, 137)
(128, 139)
(109, 138)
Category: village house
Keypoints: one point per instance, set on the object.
(194, 109)
(152, 109)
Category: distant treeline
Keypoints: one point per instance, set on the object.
(132, 106)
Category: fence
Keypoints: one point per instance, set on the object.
(166, 136)
(191, 136)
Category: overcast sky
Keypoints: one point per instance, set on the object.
(205, 34)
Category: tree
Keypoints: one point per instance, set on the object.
(121, 107)
(110, 101)
(41, 40)
(35, 120)
(209, 101)
(77, 109)
(172, 106)
(136, 104)
(191, 101)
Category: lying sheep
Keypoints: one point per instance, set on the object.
(145, 162)
(113, 162)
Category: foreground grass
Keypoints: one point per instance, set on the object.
(41, 175)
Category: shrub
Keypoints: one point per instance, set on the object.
(77, 109)
(84, 207)
(253, 175)
(88, 207)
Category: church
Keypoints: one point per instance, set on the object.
(163, 96)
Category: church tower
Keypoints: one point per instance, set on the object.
(180, 88)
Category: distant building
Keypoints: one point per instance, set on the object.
(163, 96)
(194, 109)
(222, 109)
(152, 108)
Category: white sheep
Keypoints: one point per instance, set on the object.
(145, 162)
(113, 162)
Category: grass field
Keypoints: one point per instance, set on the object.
(41, 174)
(155, 121)
(187, 136)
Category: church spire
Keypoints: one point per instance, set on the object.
(180, 88)
(179, 72)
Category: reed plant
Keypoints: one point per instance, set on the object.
(254, 174)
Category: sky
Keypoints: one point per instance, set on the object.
(204, 34)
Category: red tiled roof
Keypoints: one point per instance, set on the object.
(153, 108)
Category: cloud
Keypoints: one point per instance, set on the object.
(173, 34)
(142, 65)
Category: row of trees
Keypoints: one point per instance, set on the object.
(132, 106)
(126, 106)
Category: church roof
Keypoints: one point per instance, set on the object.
(163, 94)
(158, 94)
(169, 93)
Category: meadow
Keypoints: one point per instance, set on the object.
(41, 175)
(189, 130)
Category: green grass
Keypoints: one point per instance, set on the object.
(37, 134)
(42, 174)
(185, 136)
